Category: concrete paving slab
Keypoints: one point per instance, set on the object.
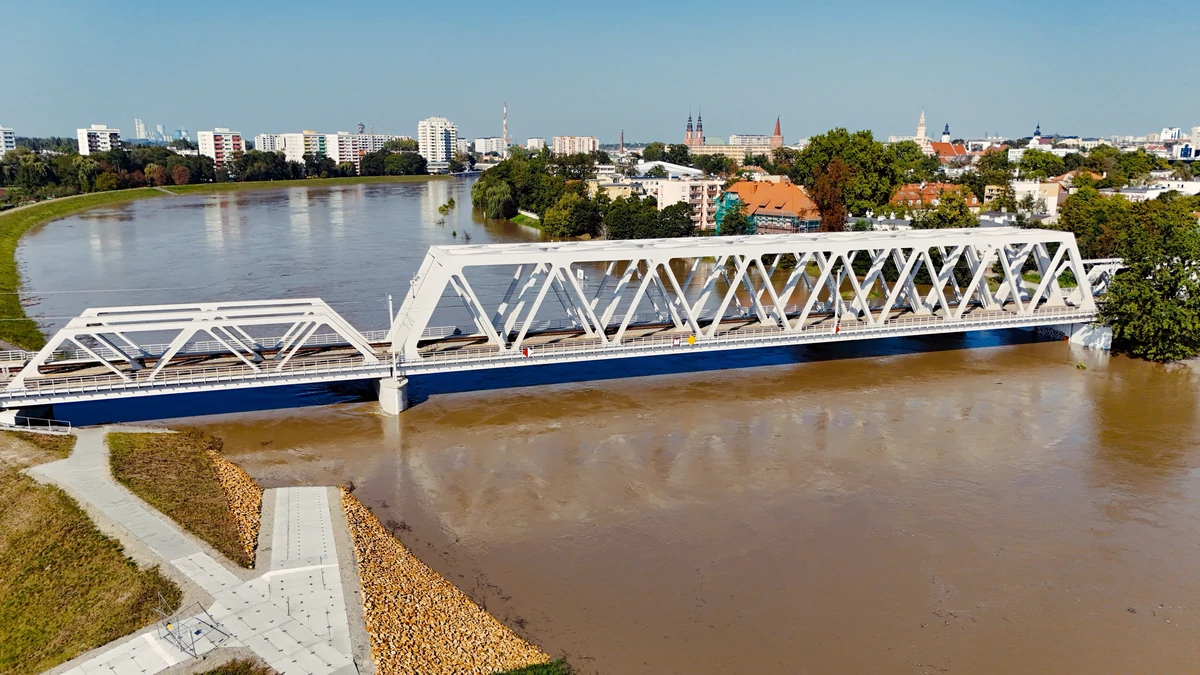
(293, 616)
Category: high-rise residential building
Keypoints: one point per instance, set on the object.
(307, 142)
(98, 138)
(462, 146)
(221, 144)
(1195, 134)
(493, 144)
(437, 137)
(573, 145)
(8, 140)
(161, 131)
(535, 144)
(346, 147)
(139, 129)
(702, 194)
(268, 142)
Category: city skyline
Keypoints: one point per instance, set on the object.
(850, 80)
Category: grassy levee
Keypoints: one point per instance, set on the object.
(522, 219)
(302, 182)
(174, 474)
(242, 667)
(15, 327)
(65, 588)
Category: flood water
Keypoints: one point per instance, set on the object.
(987, 504)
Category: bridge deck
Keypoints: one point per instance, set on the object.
(72, 381)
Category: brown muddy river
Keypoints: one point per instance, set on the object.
(977, 511)
(981, 505)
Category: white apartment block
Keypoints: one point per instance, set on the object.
(98, 138)
(535, 144)
(1170, 134)
(8, 140)
(309, 142)
(462, 146)
(573, 145)
(493, 144)
(701, 194)
(268, 142)
(221, 144)
(346, 147)
(437, 138)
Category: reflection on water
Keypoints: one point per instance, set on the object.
(966, 504)
(983, 510)
(350, 245)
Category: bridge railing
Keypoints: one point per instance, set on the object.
(178, 376)
(977, 320)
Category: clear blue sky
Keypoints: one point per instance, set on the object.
(1090, 68)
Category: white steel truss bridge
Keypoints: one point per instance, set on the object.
(510, 305)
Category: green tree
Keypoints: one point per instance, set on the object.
(372, 163)
(734, 221)
(951, 211)
(655, 152)
(181, 175)
(676, 221)
(1153, 304)
(677, 153)
(1040, 164)
(106, 181)
(456, 166)
(656, 171)
(401, 145)
(865, 180)
(631, 218)
(405, 164)
(572, 216)
(1096, 221)
(910, 164)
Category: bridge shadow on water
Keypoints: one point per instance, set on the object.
(422, 387)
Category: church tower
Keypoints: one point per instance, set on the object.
(946, 133)
(921, 127)
(699, 137)
(687, 136)
(777, 137)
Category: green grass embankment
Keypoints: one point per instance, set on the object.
(522, 219)
(174, 474)
(15, 327)
(65, 588)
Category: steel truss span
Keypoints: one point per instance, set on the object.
(158, 349)
(575, 301)
(507, 305)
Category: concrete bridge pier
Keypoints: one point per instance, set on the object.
(393, 394)
(1086, 334)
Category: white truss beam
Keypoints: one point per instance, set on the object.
(757, 280)
(106, 337)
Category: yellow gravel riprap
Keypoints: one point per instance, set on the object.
(419, 622)
(244, 497)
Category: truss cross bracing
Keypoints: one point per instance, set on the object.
(479, 307)
(515, 304)
(113, 351)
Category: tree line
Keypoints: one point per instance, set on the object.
(553, 187)
(41, 168)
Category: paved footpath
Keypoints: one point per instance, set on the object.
(293, 616)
